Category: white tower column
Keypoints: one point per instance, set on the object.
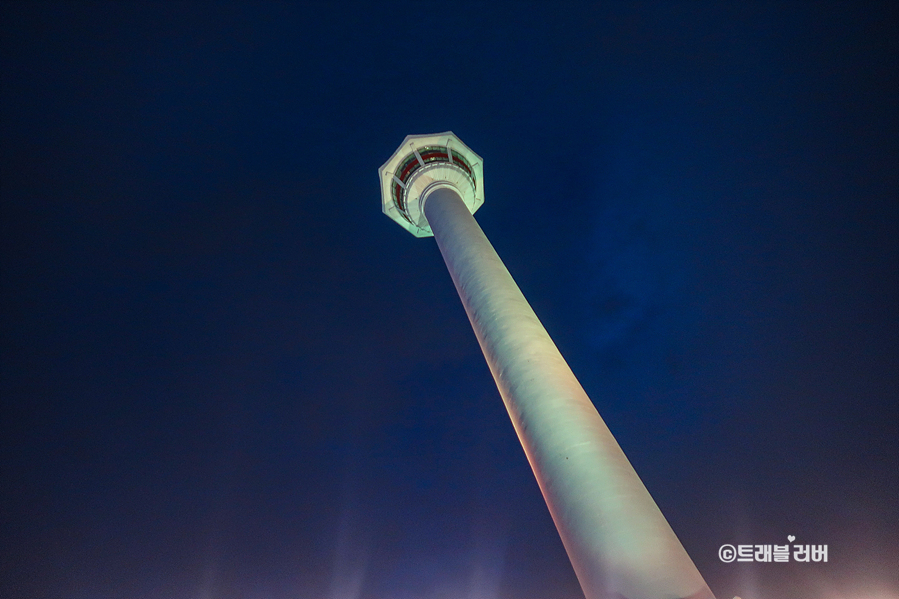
(618, 541)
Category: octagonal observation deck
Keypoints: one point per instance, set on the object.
(422, 164)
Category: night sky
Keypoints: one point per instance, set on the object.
(226, 375)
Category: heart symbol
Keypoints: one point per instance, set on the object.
(791, 538)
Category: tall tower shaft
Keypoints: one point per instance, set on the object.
(618, 541)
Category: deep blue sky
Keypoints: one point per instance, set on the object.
(225, 375)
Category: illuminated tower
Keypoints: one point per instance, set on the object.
(618, 541)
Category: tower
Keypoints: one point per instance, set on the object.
(619, 543)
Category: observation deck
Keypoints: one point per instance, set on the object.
(422, 164)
